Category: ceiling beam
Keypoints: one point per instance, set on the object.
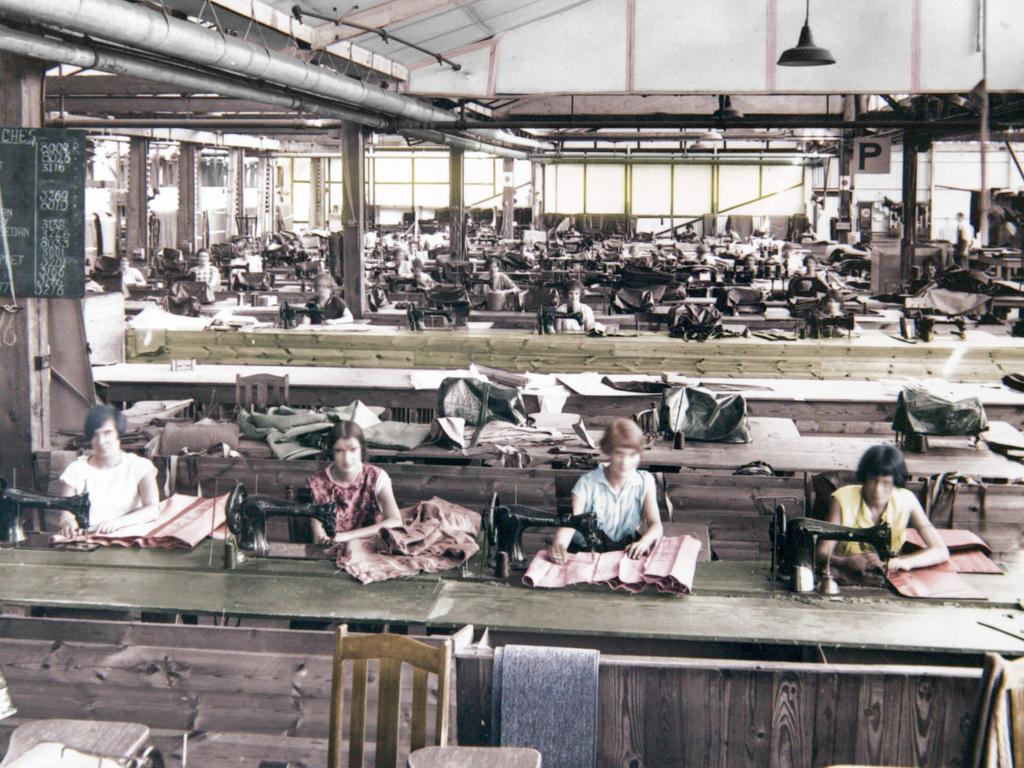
(174, 105)
(381, 15)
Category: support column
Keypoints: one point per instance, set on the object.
(318, 188)
(457, 202)
(508, 198)
(536, 195)
(188, 187)
(909, 204)
(25, 415)
(236, 191)
(137, 215)
(353, 216)
(265, 219)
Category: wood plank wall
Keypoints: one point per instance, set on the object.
(717, 714)
(516, 351)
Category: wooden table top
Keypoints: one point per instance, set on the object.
(732, 602)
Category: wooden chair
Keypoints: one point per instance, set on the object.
(390, 652)
(260, 391)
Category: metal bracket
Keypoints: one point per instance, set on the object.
(41, 362)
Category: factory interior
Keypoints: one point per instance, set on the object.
(478, 383)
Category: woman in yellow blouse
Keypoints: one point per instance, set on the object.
(878, 495)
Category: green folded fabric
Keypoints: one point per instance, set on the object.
(397, 436)
(289, 450)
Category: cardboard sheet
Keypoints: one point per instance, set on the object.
(938, 581)
(968, 553)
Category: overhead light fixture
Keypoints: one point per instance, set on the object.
(806, 53)
(726, 111)
(708, 139)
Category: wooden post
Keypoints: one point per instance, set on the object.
(236, 192)
(137, 217)
(24, 344)
(318, 191)
(265, 219)
(353, 210)
(536, 195)
(909, 204)
(187, 197)
(508, 198)
(457, 202)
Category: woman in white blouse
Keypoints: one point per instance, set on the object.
(121, 486)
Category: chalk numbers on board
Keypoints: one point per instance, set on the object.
(54, 241)
(54, 157)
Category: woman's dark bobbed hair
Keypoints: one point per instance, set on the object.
(345, 430)
(882, 461)
(99, 415)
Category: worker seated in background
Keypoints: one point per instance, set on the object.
(499, 281)
(204, 271)
(574, 304)
(121, 486)
(403, 263)
(931, 272)
(879, 495)
(131, 277)
(363, 499)
(423, 280)
(620, 495)
(746, 272)
(687, 235)
(332, 306)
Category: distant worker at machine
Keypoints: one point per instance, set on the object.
(363, 499)
(325, 296)
(964, 238)
(121, 486)
(880, 495)
(131, 277)
(574, 305)
(423, 279)
(204, 271)
(499, 281)
(623, 497)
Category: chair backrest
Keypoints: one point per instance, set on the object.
(261, 390)
(999, 726)
(390, 652)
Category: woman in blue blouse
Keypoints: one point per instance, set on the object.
(622, 496)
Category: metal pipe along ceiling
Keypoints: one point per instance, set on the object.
(464, 143)
(138, 26)
(21, 43)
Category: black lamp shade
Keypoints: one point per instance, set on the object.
(806, 53)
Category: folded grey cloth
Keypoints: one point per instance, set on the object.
(546, 698)
(397, 435)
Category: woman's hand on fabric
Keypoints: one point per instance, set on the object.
(899, 564)
(320, 537)
(108, 527)
(557, 553)
(638, 549)
(68, 524)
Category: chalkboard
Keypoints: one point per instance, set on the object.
(42, 218)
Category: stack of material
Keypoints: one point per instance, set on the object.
(669, 568)
(183, 522)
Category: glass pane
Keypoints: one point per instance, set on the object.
(300, 168)
(569, 189)
(396, 169)
(396, 195)
(334, 193)
(478, 170)
(737, 184)
(692, 189)
(431, 195)
(431, 169)
(606, 189)
(776, 178)
(481, 196)
(550, 177)
(652, 190)
(334, 169)
(300, 201)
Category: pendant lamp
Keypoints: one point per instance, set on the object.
(806, 53)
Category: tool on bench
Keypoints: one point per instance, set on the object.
(14, 502)
(455, 315)
(795, 541)
(247, 517)
(547, 316)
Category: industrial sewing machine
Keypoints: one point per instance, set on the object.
(505, 525)
(13, 503)
(547, 316)
(795, 541)
(289, 313)
(247, 517)
(822, 326)
(921, 325)
(455, 315)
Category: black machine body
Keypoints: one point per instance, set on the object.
(14, 502)
(247, 517)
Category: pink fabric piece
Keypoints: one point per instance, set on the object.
(437, 536)
(937, 581)
(967, 551)
(670, 568)
(183, 522)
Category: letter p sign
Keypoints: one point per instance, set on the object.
(871, 155)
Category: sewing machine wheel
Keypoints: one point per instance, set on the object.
(233, 509)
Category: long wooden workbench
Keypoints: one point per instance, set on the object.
(873, 355)
(733, 612)
(832, 406)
